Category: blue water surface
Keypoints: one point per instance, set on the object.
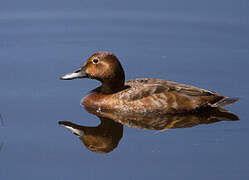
(202, 43)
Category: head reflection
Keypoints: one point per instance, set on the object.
(105, 137)
(100, 139)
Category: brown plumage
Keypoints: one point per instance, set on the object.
(141, 95)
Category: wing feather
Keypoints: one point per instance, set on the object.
(141, 88)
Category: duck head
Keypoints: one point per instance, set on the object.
(104, 67)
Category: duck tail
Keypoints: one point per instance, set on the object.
(225, 101)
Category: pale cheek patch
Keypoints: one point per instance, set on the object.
(106, 70)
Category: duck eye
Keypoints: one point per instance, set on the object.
(95, 61)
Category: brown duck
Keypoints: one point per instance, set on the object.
(140, 95)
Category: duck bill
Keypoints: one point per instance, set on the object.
(80, 73)
(74, 128)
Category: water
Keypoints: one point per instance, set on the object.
(200, 43)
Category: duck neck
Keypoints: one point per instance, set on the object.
(112, 85)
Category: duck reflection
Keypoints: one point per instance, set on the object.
(100, 139)
(105, 137)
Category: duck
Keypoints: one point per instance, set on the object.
(141, 95)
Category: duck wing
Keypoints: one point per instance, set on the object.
(141, 88)
(188, 90)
